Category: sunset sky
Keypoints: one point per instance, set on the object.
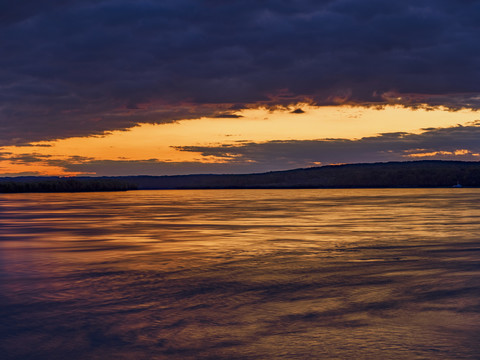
(122, 87)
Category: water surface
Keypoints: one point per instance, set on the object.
(241, 274)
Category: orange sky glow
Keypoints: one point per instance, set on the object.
(147, 141)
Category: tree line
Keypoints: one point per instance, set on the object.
(377, 175)
(66, 185)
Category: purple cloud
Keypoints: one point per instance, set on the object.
(71, 68)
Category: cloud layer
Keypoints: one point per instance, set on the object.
(452, 143)
(72, 68)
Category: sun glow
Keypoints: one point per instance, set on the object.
(147, 141)
(459, 153)
(10, 168)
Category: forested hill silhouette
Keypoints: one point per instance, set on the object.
(411, 174)
(429, 173)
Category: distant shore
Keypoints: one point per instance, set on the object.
(412, 174)
(41, 185)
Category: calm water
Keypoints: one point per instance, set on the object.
(243, 274)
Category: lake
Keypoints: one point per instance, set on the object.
(241, 274)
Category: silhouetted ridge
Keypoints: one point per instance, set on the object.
(377, 175)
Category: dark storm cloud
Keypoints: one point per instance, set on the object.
(297, 111)
(83, 67)
(89, 165)
(30, 158)
(228, 116)
(441, 143)
(4, 155)
(36, 145)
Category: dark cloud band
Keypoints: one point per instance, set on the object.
(83, 67)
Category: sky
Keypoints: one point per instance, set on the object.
(123, 87)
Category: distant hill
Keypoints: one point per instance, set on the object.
(377, 175)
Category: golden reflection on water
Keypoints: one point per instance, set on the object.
(241, 274)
